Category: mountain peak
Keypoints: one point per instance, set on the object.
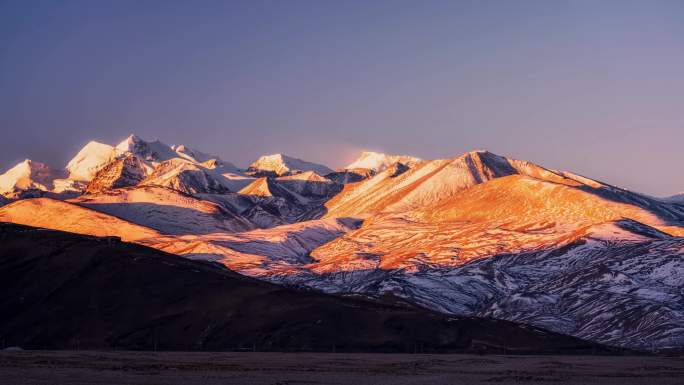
(130, 143)
(279, 157)
(372, 153)
(154, 151)
(89, 160)
(29, 164)
(133, 138)
(481, 153)
(27, 175)
(379, 162)
(281, 164)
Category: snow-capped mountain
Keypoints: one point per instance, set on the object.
(29, 175)
(95, 156)
(477, 234)
(431, 182)
(281, 165)
(100, 169)
(30, 179)
(89, 160)
(184, 176)
(402, 187)
(97, 167)
(154, 151)
(379, 162)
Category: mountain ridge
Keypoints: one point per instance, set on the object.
(451, 235)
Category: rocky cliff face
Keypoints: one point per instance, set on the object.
(122, 172)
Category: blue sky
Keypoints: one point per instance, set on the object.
(595, 87)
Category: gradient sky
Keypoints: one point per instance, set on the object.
(595, 87)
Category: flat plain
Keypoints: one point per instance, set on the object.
(94, 367)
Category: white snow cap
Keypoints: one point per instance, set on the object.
(379, 162)
(92, 157)
(29, 175)
(283, 164)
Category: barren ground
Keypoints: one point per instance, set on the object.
(91, 367)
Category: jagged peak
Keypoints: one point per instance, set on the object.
(133, 141)
(155, 151)
(130, 139)
(130, 143)
(124, 171)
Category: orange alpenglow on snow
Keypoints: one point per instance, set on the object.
(425, 230)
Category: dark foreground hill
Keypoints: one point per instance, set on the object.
(62, 291)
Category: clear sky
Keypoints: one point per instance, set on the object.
(594, 87)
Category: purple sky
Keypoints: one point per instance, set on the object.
(594, 87)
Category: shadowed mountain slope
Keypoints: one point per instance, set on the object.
(62, 290)
(619, 282)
